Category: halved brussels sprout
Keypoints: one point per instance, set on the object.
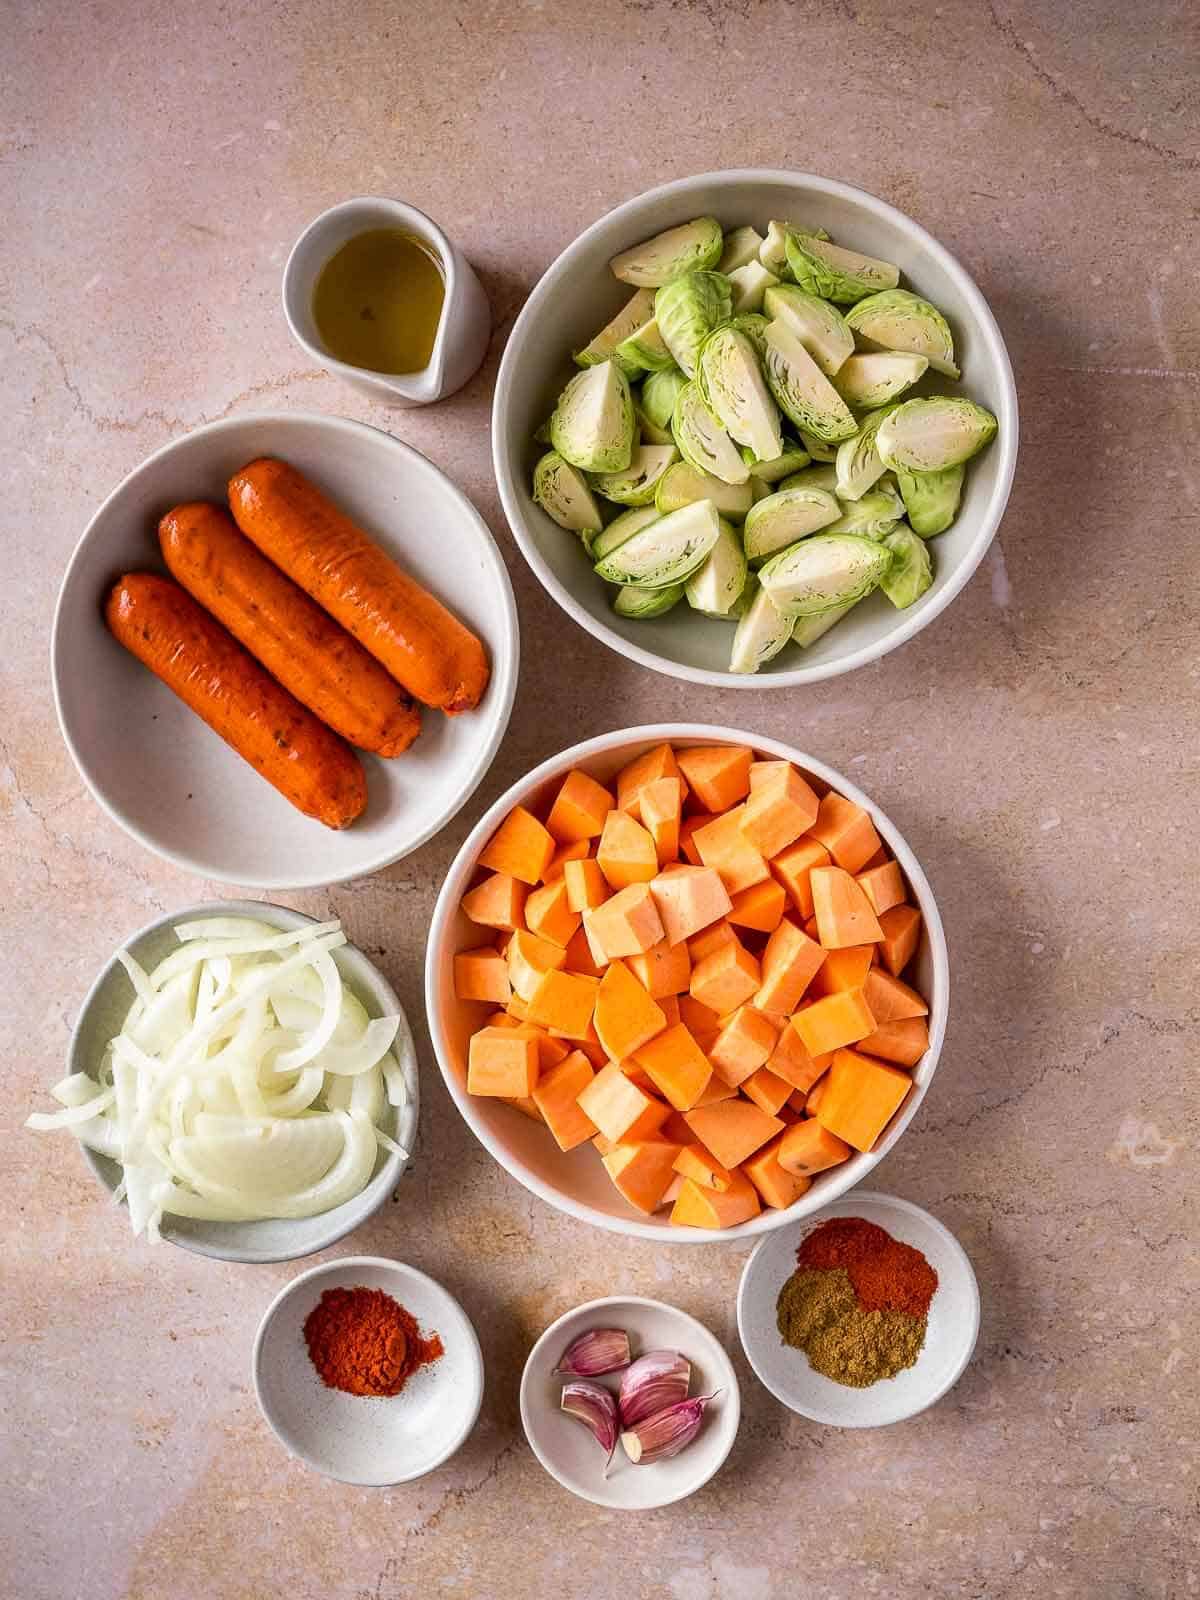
(660, 390)
(636, 485)
(872, 515)
(644, 350)
(749, 284)
(911, 571)
(683, 484)
(636, 310)
(563, 494)
(930, 435)
(732, 387)
(639, 605)
(827, 270)
(621, 529)
(818, 449)
(667, 550)
(897, 319)
(702, 440)
(716, 587)
(592, 425)
(761, 633)
(647, 432)
(805, 395)
(931, 498)
(809, 629)
(822, 572)
(858, 462)
(754, 325)
(772, 252)
(789, 460)
(818, 477)
(819, 326)
(687, 311)
(740, 247)
(785, 516)
(692, 247)
(875, 377)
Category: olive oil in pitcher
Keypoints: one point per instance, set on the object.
(378, 302)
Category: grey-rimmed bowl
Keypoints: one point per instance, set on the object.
(100, 1017)
(578, 294)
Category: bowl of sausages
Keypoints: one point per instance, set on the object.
(285, 651)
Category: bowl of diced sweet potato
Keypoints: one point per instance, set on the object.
(686, 982)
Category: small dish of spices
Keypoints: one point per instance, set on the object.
(368, 1371)
(863, 1315)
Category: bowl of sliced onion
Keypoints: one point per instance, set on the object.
(244, 1080)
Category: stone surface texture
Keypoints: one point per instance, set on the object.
(1037, 746)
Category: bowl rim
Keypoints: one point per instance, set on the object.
(920, 616)
(379, 1185)
(503, 682)
(730, 1385)
(404, 1271)
(454, 885)
(955, 1369)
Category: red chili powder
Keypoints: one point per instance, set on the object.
(887, 1275)
(363, 1342)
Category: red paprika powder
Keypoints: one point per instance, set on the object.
(363, 1342)
(886, 1274)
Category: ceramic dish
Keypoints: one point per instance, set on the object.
(100, 1017)
(578, 293)
(170, 781)
(576, 1182)
(356, 1438)
(570, 1453)
(949, 1341)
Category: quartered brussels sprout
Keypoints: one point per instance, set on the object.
(639, 308)
(817, 477)
(646, 431)
(734, 390)
(827, 270)
(822, 572)
(748, 285)
(562, 492)
(665, 551)
(785, 516)
(859, 464)
(805, 395)
(741, 246)
(872, 515)
(639, 605)
(790, 459)
(702, 440)
(772, 252)
(635, 486)
(682, 484)
(897, 319)
(660, 390)
(761, 633)
(644, 349)
(716, 587)
(693, 247)
(875, 377)
(820, 327)
(592, 425)
(911, 571)
(931, 498)
(687, 310)
(809, 629)
(930, 435)
(621, 529)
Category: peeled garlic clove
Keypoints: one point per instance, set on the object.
(599, 1350)
(655, 1381)
(592, 1404)
(666, 1433)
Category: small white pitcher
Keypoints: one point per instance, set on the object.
(463, 330)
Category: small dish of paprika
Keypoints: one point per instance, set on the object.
(368, 1371)
(862, 1315)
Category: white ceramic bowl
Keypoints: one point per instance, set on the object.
(363, 1439)
(570, 1453)
(100, 1016)
(949, 1340)
(576, 1182)
(171, 782)
(577, 294)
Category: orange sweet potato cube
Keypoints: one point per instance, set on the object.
(564, 1002)
(525, 1105)
(521, 846)
(808, 1147)
(812, 1101)
(482, 975)
(556, 1096)
(626, 852)
(696, 1163)
(726, 979)
(579, 809)
(744, 1043)
(843, 912)
(698, 1207)
(718, 775)
(768, 1092)
(550, 1051)
(669, 1003)
(846, 831)
(620, 1109)
(904, 1040)
(790, 961)
(549, 916)
(625, 1017)
(529, 959)
(717, 1089)
(642, 1172)
(657, 763)
(663, 970)
(581, 958)
(883, 886)
(577, 850)
(891, 999)
(731, 1130)
(836, 1020)
(778, 1187)
(502, 1063)
(760, 907)
(587, 887)
(688, 899)
(662, 812)
(722, 845)
(781, 807)
(792, 867)
(861, 1097)
(846, 968)
(900, 933)
(627, 923)
(497, 902)
(687, 841)
(675, 1130)
(791, 1061)
(676, 1065)
(709, 939)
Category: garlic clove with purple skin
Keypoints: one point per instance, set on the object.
(594, 1406)
(597, 1351)
(655, 1381)
(666, 1433)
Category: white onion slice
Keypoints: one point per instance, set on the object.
(71, 1116)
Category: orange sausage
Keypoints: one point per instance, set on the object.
(438, 660)
(168, 632)
(306, 650)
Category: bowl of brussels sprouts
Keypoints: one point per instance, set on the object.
(755, 428)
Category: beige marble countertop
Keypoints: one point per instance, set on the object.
(1037, 745)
